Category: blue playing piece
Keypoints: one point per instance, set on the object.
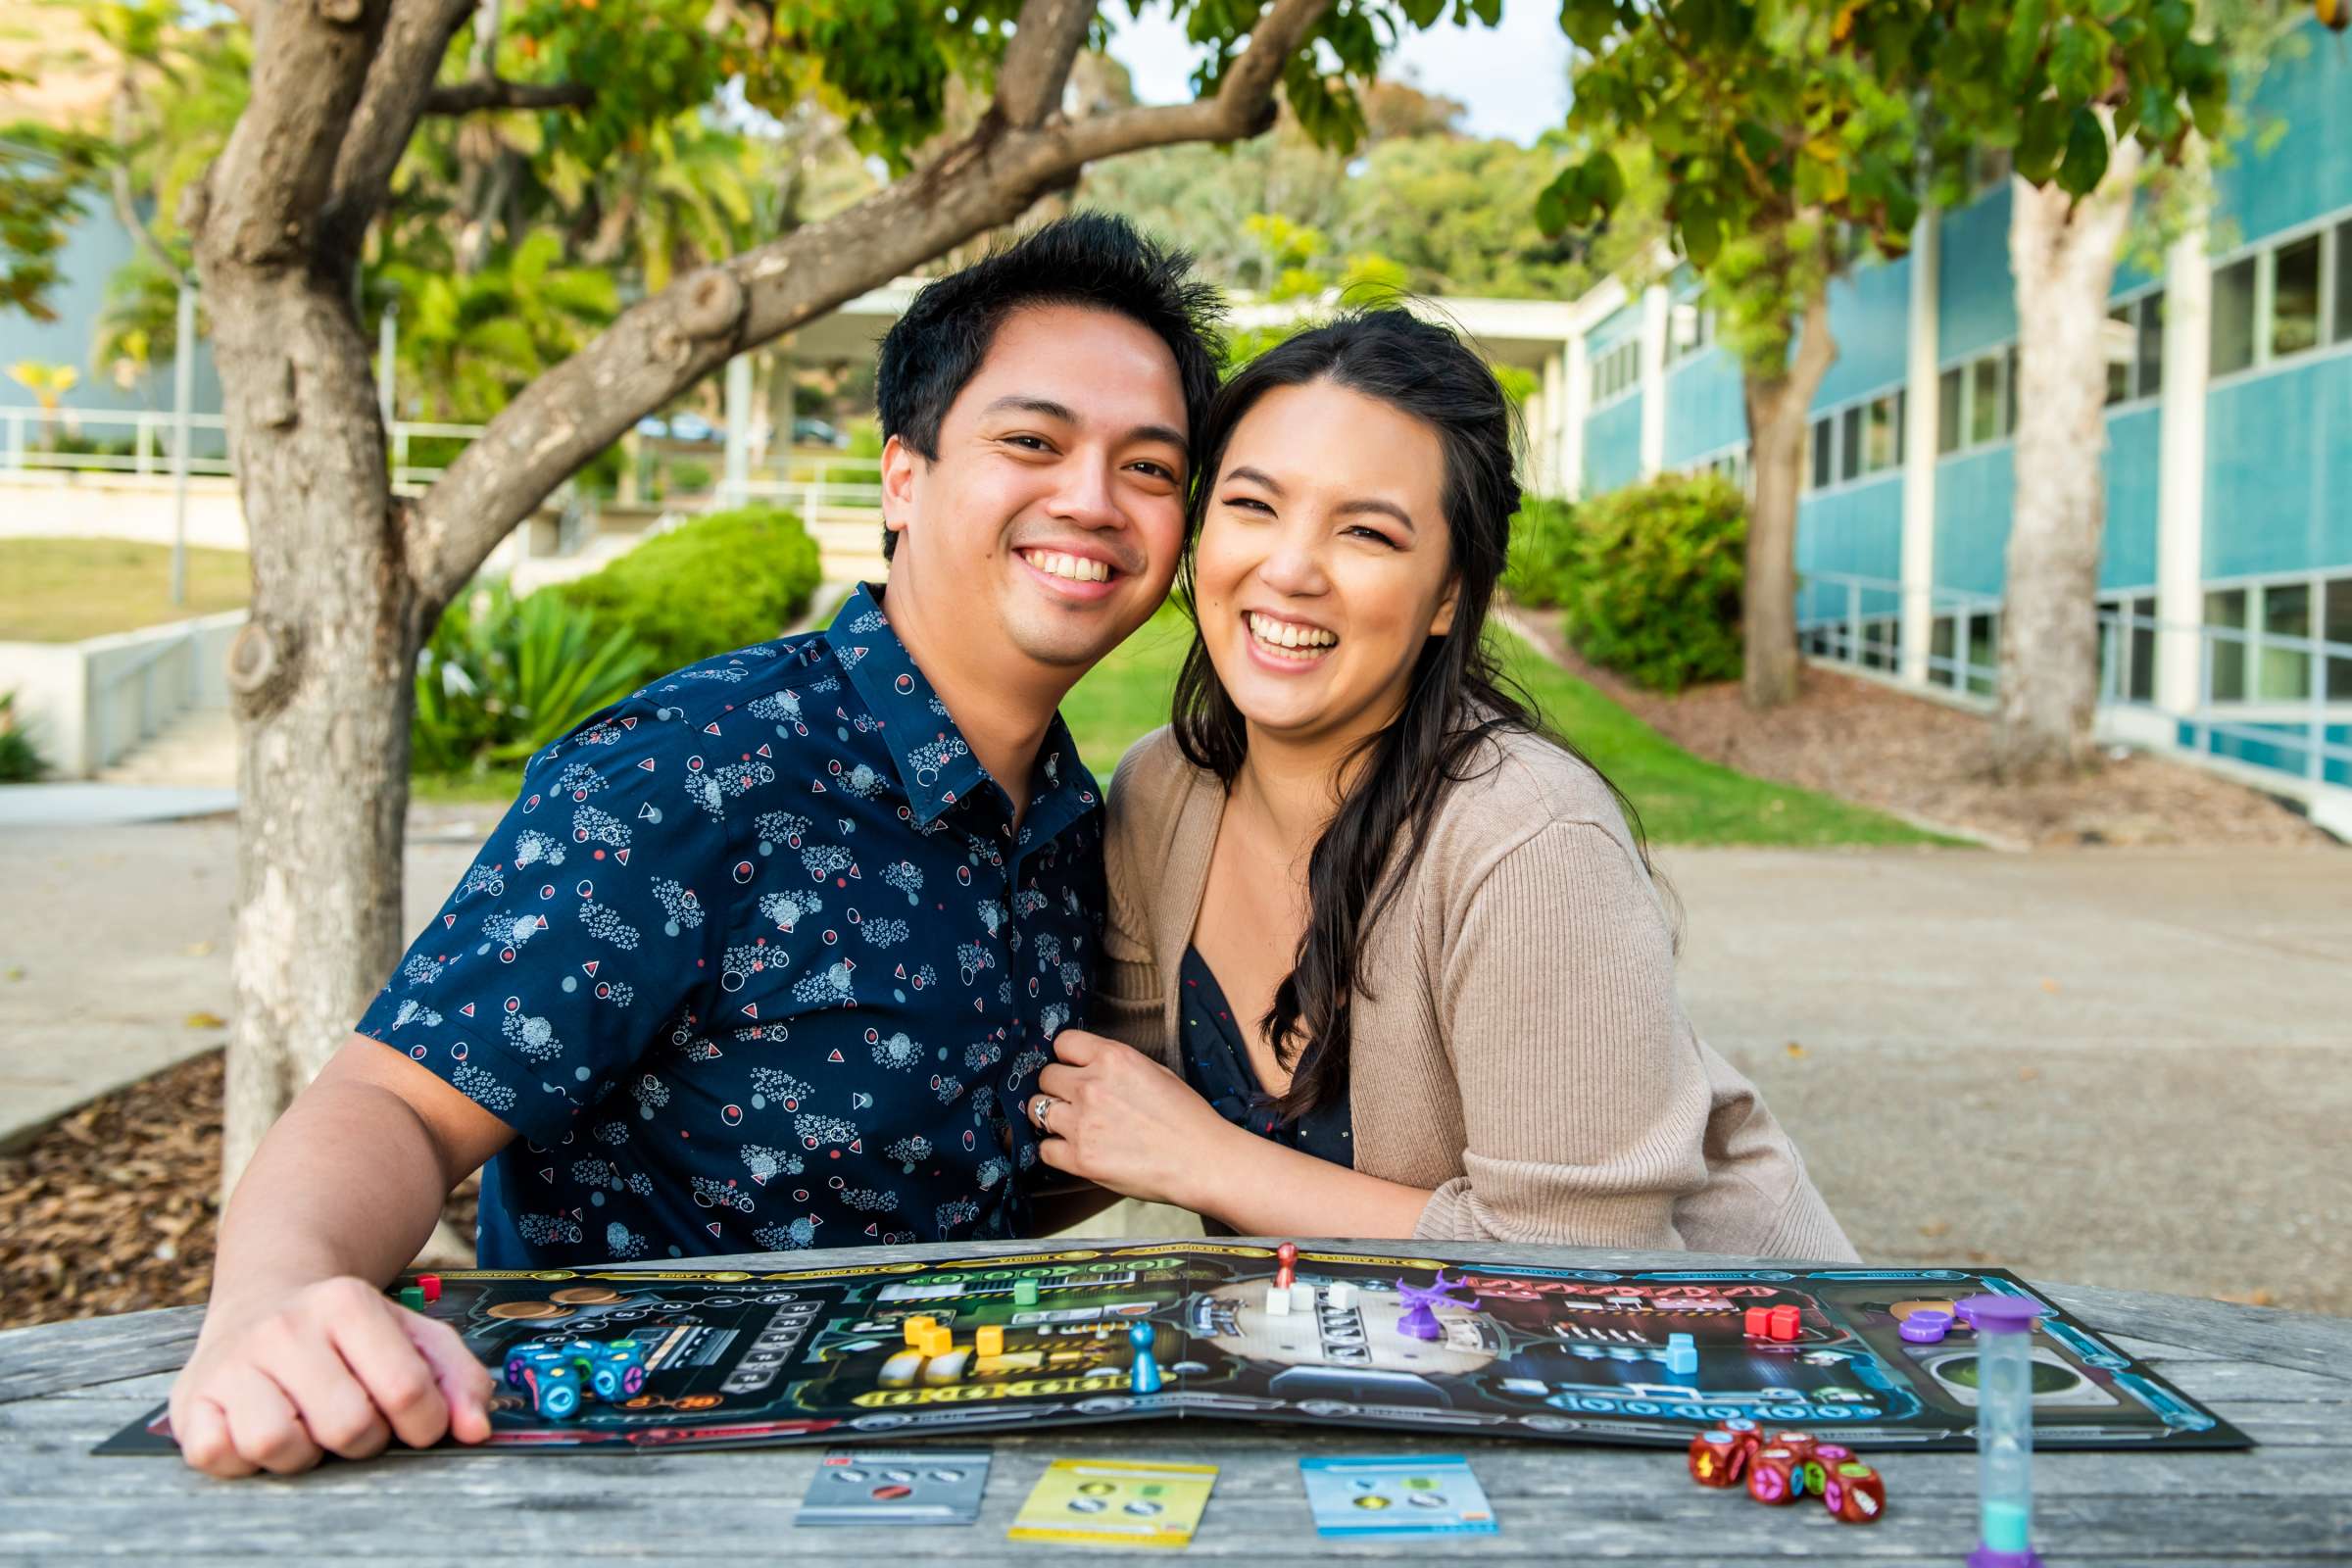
(1144, 1376)
(1682, 1354)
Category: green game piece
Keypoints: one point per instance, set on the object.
(1024, 1293)
(412, 1297)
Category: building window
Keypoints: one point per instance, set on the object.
(1940, 651)
(1947, 411)
(1822, 442)
(1984, 652)
(1689, 329)
(2128, 649)
(2009, 401)
(2225, 678)
(2343, 281)
(1984, 397)
(1616, 370)
(2151, 345)
(2234, 316)
(2285, 673)
(2117, 340)
(1879, 449)
(2295, 298)
(1849, 445)
(2338, 629)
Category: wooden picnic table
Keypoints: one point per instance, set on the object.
(2285, 1378)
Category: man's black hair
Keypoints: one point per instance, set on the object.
(1088, 259)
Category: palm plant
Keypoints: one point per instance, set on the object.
(504, 676)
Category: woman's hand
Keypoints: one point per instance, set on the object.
(1113, 1116)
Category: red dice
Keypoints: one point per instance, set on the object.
(1718, 1458)
(1800, 1444)
(1773, 1477)
(1852, 1493)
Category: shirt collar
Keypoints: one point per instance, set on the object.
(936, 764)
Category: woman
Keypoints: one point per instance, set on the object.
(1383, 958)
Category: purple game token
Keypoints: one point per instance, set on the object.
(1927, 1325)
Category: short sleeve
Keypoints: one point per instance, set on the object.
(586, 923)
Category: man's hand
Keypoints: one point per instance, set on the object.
(338, 1368)
(1129, 1124)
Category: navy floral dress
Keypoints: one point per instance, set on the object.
(1216, 1063)
(759, 961)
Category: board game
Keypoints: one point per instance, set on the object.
(895, 1351)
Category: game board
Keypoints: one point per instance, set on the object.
(1566, 1355)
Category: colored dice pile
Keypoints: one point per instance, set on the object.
(1787, 1466)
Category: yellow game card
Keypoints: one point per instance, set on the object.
(1113, 1503)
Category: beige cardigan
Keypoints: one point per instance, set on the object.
(1519, 1046)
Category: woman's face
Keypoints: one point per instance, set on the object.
(1323, 564)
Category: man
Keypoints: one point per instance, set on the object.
(765, 956)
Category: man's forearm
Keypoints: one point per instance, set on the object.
(348, 1181)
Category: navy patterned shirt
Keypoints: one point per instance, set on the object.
(759, 961)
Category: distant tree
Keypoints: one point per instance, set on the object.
(1784, 125)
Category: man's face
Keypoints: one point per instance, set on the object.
(1053, 515)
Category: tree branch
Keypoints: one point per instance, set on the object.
(1037, 62)
(259, 202)
(126, 206)
(665, 344)
(496, 92)
(400, 80)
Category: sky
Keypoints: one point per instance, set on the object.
(1513, 78)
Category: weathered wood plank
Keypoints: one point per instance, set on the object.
(2285, 1378)
(52, 1357)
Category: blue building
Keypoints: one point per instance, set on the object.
(2227, 581)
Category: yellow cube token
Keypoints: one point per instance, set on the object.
(989, 1341)
(917, 1328)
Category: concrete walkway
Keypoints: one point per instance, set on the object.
(2131, 1068)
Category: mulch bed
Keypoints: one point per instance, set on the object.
(1930, 764)
(113, 1208)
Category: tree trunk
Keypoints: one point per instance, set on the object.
(346, 578)
(2063, 254)
(1776, 409)
(321, 682)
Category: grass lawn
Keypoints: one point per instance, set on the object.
(1681, 799)
(63, 590)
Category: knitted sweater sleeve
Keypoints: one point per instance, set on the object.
(1585, 1099)
(1130, 995)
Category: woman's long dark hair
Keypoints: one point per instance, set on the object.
(1459, 695)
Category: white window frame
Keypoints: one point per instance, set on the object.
(2330, 227)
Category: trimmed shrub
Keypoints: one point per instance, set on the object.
(20, 760)
(717, 583)
(1657, 575)
(504, 676)
(1542, 552)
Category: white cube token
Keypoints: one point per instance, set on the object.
(1278, 1302)
(1341, 1295)
(1303, 1296)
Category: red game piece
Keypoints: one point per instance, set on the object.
(1717, 1458)
(1772, 1478)
(1853, 1493)
(1832, 1453)
(1786, 1322)
(1286, 1263)
(1746, 1433)
(1800, 1444)
(430, 1284)
(1757, 1321)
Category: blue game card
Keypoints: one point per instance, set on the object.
(1434, 1495)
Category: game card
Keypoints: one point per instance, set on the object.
(1437, 1496)
(897, 1486)
(1113, 1503)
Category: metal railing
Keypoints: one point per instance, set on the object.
(1862, 628)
